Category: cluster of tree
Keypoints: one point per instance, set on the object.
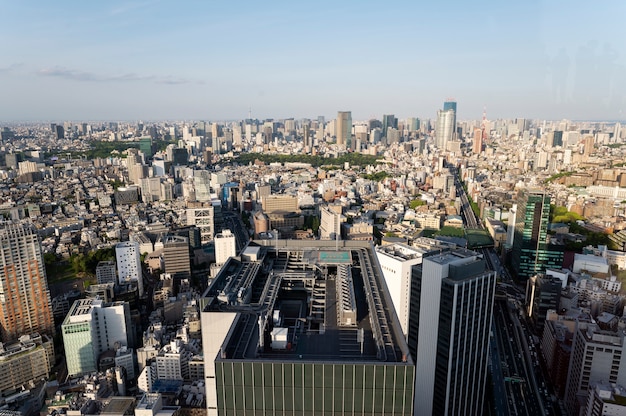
(417, 202)
(558, 176)
(451, 232)
(312, 222)
(354, 159)
(103, 149)
(86, 263)
(378, 176)
(561, 214)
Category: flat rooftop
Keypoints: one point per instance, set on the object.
(307, 301)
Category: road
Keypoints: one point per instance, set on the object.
(514, 365)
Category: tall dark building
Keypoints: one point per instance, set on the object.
(533, 252)
(451, 305)
(542, 294)
(557, 139)
(389, 121)
(57, 131)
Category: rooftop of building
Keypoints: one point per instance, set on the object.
(308, 301)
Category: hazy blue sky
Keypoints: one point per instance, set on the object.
(100, 60)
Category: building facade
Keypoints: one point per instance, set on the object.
(90, 328)
(344, 128)
(129, 269)
(533, 252)
(225, 246)
(450, 320)
(25, 305)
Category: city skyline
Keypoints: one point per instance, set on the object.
(151, 60)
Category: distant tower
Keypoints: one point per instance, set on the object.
(24, 296)
(484, 124)
(478, 141)
(450, 104)
(344, 128)
(445, 128)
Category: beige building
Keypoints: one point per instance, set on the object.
(30, 358)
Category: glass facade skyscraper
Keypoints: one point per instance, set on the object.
(533, 251)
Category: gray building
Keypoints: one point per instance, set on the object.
(281, 334)
(449, 323)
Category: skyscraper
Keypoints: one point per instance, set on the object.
(478, 141)
(448, 105)
(389, 121)
(344, 128)
(24, 296)
(450, 319)
(445, 127)
(533, 251)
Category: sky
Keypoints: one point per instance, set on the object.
(207, 60)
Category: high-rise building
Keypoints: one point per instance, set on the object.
(25, 305)
(597, 356)
(389, 121)
(477, 146)
(330, 223)
(450, 105)
(533, 251)
(176, 256)
(90, 328)
(444, 129)
(344, 128)
(225, 246)
(129, 264)
(450, 320)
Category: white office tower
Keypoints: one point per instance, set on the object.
(450, 319)
(225, 246)
(330, 223)
(445, 128)
(129, 264)
(396, 262)
(90, 328)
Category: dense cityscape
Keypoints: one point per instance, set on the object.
(313, 266)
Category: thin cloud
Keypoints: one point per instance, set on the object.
(10, 68)
(84, 76)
